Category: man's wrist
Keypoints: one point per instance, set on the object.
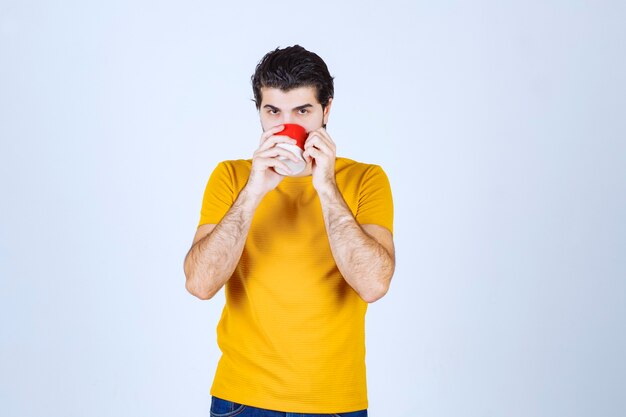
(329, 192)
(248, 199)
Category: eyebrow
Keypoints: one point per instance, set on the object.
(304, 106)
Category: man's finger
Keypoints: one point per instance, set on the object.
(266, 163)
(270, 132)
(319, 138)
(313, 153)
(319, 143)
(324, 134)
(277, 151)
(273, 140)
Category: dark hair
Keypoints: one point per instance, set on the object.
(290, 68)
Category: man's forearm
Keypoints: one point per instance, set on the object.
(212, 260)
(364, 263)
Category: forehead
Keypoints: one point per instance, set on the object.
(291, 98)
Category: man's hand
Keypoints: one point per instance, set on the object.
(263, 178)
(321, 150)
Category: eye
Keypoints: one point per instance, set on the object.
(273, 111)
(303, 111)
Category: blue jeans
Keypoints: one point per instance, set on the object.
(225, 408)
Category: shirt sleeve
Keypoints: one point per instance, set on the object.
(375, 200)
(218, 195)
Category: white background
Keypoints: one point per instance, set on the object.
(501, 126)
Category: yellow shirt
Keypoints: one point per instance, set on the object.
(292, 332)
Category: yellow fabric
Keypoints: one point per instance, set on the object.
(292, 332)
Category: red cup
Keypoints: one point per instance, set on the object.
(298, 133)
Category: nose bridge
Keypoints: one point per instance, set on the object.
(286, 117)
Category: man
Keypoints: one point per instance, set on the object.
(301, 256)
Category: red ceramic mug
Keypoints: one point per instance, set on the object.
(298, 133)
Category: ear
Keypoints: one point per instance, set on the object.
(327, 110)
